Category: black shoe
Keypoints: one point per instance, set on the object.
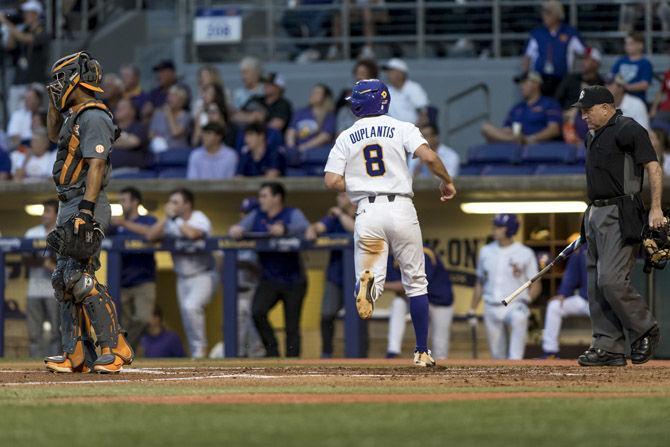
(599, 357)
(643, 348)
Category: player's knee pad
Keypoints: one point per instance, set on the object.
(78, 279)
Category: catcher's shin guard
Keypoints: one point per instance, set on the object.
(79, 352)
(116, 352)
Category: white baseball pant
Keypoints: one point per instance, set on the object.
(507, 329)
(382, 225)
(556, 310)
(193, 294)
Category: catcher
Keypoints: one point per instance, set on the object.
(83, 129)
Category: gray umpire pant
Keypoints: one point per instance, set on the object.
(615, 306)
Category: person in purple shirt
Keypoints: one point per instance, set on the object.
(257, 158)
(634, 68)
(160, 342)
(138, 270)
(535, 119)
(283, 275)
(340, 220)
(312, 127)
(214, 160)
(571, 300)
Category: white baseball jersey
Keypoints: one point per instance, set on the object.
(372, 156)
(502, 270)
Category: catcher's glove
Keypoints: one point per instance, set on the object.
(78, 238)
(656, 242)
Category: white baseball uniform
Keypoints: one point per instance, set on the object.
(501, 270)
(372, 157)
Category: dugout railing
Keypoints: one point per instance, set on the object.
(117, 245)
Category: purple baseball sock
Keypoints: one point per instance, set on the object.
(418, 309)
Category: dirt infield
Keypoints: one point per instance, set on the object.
(341, 381)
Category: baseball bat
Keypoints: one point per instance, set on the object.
(567, 251)
(473, 334)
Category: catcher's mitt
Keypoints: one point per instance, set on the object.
(78, 238)
(656, 242)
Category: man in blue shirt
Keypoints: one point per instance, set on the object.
(160, 342)
(283, 275)
(634, 68)
(440, 298)
(258, 158)
(570, 301)
(552, 47)
(535, 119)
(340, 220)
(138, 270)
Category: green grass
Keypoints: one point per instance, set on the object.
(516, 422)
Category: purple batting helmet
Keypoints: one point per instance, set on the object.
(509, 221)
(369, 97)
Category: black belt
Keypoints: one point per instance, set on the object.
(71, 193)
(612, 201)
(389, 197)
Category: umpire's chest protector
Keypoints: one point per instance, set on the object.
(69, 168)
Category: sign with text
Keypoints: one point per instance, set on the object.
(217, 26)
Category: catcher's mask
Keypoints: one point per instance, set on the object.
(656, 242)
(71, 71)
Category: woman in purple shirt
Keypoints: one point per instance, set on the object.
(312, 127)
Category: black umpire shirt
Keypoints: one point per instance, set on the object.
(615, 158)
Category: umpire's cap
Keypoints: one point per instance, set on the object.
(369, 97)
(594, 95)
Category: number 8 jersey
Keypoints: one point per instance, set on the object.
(372, 156)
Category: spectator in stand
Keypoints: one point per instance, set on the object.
(166, 77)
(36, 165)
(409, 101)
(138, 270)
(363, 14)
(20, 127)
(552, 47)
(535, 119)
(213, 94)
(279, 108)
(251, 73)
(340, 220)
(160, 342)
(635, 69)
(660, 107)
(571, 300)
(305, 23)
(313, 127)
(283, 275)
(257, 158)
(132, 90)
(5, 165)
(171, 124)
(196, 274)
(572, 85)
(214, 160)
(131, 148)
(29, 45)
(630, 105)
(41, 306)
(112, 87)
(448, 156)
(363, 69)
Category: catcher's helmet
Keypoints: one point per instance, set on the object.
(71, 71)
(509, 221)
(369, 97)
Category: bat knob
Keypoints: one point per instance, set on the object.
(504, 303)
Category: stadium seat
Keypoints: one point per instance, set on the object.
(172, 158)
(142, 174)
(507, 153)
(554, 152)
(581, 154)
(508, 170)
(172, 173)
(294, 172)
(560, 169)
(470, 170)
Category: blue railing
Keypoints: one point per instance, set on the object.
(115, 246)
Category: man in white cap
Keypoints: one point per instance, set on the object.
(28, 43)
(409, 101)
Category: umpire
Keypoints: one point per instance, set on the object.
(618, 152)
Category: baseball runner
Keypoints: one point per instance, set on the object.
(83, 129)
(369, 162)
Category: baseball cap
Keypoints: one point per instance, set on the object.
(396, 64)
(594, 95)
(276, 79)
(594, 54)
(32, 5)
(530, 75)
(165, 64)
(248, 205)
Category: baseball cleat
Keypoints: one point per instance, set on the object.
(600, 357)
(643, 348)
(108, 364)
(62, 364)
(424, 358)
(365, 304)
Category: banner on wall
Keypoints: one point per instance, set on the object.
(217, 26)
